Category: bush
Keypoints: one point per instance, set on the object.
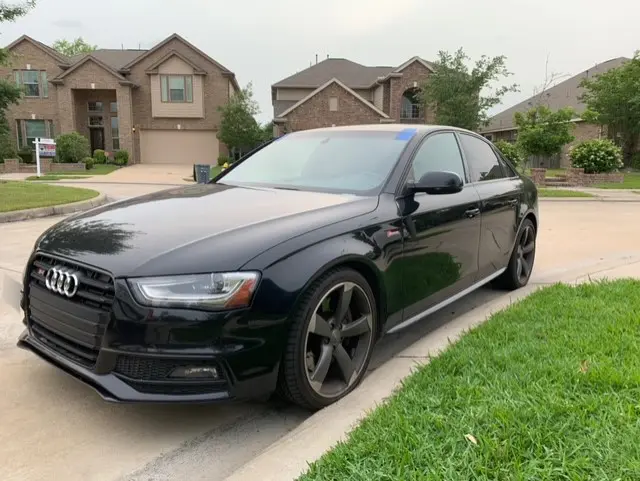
(596, 156)
(99, 156)
(121, 157)
(635, 161)
(88, 163)
(511, 152)
(223, 159)
(72, 147)
(27, 155)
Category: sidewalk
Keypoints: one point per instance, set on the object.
(289, 457)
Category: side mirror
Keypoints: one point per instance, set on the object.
(438, 183)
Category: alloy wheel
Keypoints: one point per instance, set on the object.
(525, 253)
(338, 340)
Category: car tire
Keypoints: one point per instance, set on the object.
(517, 276)
(295, 382)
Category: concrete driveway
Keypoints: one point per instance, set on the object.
(55, 428)
(145, 174)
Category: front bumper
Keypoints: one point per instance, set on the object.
(114, 388)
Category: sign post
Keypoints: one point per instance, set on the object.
(44, 148)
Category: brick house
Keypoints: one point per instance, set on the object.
(565, 94)
(161, 104)
(337, 91)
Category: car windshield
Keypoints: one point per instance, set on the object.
(345, 161)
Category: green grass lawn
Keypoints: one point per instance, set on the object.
(561, 193)
(99, 169)
(550, 172)
(25, 195)
(631, 181)
(547, 389)
(215, 170)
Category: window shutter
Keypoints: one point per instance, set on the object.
(45, 85)
(189, 89)
(164, 88)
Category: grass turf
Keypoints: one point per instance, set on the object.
(98, 169)
(548, 389)
(631, 181)
(26, 195)
(561, 193)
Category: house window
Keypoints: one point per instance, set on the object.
(29, 130)
(96, 107)
(34, 83)
(176, 88)
(113, 107)
(333, 104)
(115, 133)
(411, 107)
(96, 121)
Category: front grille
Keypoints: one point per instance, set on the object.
(149, 369)
(95, 288)
(74, 326)
(177, 389)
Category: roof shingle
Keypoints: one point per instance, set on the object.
(350, 73)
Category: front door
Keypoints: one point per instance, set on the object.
(441, 235)
(500, 191)
(97, 139)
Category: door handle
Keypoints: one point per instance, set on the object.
(513, 202)
(471, 213)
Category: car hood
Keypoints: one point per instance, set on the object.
(203, 228)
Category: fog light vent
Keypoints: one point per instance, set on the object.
(195, 372)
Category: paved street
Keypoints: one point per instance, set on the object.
(56, 428)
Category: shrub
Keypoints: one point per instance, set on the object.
(72, 147)
(99, 156)
(595, 156)
(26, 155)
(635, 161)
(223, 159)
(512, 152)
(121, 157)
(88, 163)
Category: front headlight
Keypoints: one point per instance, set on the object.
(199, 291)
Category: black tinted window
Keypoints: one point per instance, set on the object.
(483, 163)
(440, 152)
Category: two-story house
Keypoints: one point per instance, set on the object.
(337, 91)
(161, 104)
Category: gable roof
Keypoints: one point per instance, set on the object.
(172, 53)
(350, 73)
(91, 58)
(324, 86)
(565, 94)
(430, 66)
(50, 51)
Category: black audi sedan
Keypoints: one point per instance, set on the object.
(281, 273)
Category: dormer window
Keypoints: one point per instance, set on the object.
(176, 88)
(34, 83)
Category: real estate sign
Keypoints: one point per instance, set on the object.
(47, 147)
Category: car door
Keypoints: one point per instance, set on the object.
(501, 195)
(441, 232)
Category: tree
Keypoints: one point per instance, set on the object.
(75, 47)
(543, 132)
(10, 93)
(455, 93)
(238, 127)
(613, 100)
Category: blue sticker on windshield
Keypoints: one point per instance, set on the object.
(406, 134)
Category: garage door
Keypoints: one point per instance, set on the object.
(178, 146)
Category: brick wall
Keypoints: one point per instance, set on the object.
(13, 166)
(582, 131)
(315, 112)
(577, 177)
(415, 73)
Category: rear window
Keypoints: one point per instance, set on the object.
(357, 162)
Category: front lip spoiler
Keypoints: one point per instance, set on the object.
(108, 386)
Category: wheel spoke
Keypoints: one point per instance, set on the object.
(526, 268)
(318, 325)
(528, 249)
(357, 327)
(345, 363)
(525, 237)
(519, 268)
(322, 368)
(344, 299)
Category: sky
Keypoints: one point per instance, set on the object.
(265, 41)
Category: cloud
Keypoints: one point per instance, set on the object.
(66, 23)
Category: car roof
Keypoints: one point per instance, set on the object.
(387, 128)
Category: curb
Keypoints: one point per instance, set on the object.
(587, 199)
(83, 205)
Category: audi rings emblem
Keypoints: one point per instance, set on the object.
(62, 281)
